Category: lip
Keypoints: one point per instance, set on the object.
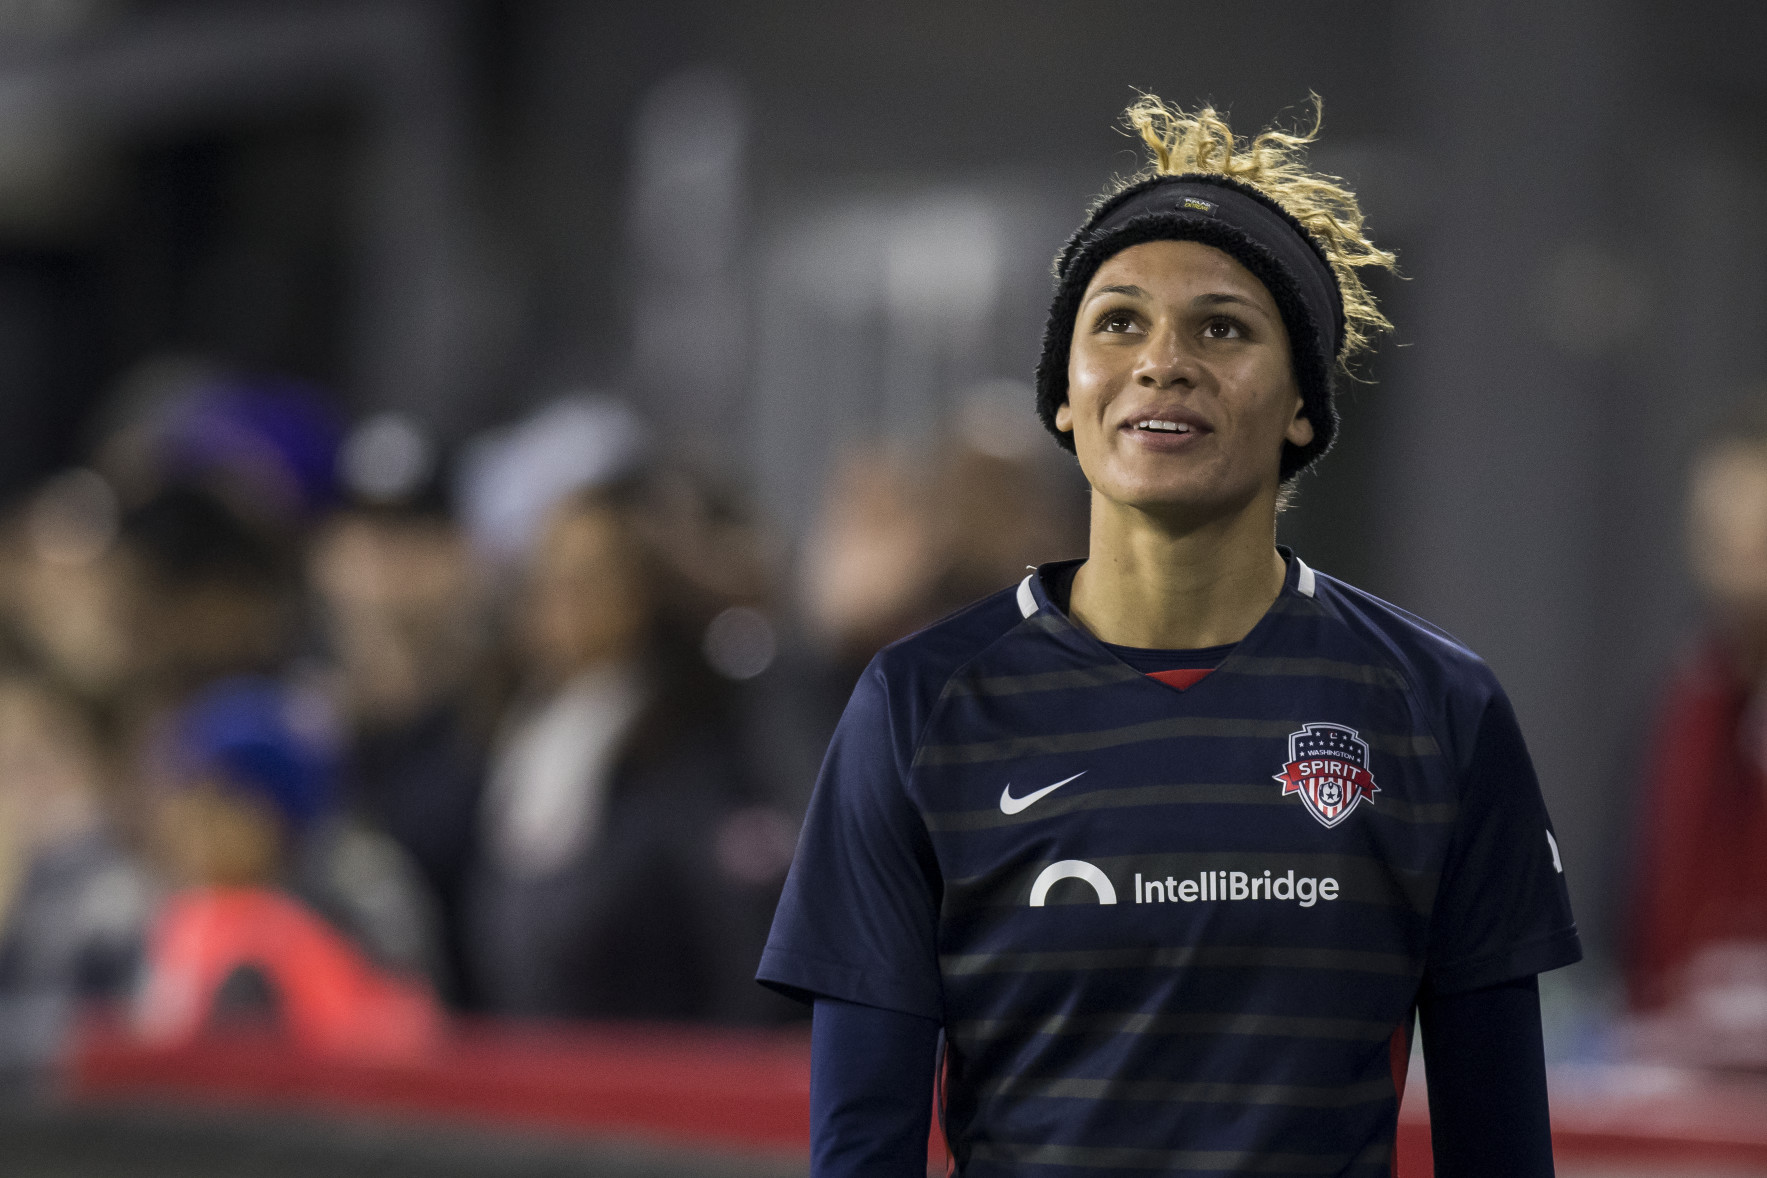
(1159, 440)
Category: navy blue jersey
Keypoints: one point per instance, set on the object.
(1173, 930)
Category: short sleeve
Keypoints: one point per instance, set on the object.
(858, 919)
(1502, 910)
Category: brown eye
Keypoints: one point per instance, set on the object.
(1119, 322)
(1223, 329)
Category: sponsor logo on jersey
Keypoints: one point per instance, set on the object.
(1328, 767)
(1215, 886)
(1072, 869)
(1205, 886)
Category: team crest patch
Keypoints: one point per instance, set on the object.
(1328, 767)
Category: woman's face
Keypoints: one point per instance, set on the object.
(587, 601)
(1180, 387)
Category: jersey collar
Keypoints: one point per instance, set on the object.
(1033, 594)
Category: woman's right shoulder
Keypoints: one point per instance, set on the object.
(934, 653)
(904, 681)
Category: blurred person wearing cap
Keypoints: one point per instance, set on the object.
(214, 595)
(1696, 966)
(73, 901)
(403, 618)
(171, 558)
(281, 908)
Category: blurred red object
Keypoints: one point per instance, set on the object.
(330, 1000)
(1702, 875)
(732, 1089)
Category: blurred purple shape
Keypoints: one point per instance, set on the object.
(276, 435)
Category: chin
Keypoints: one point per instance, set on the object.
(1190, 498)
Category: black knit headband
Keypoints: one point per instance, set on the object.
(1249, 227)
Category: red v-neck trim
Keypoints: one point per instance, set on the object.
(1181, 678)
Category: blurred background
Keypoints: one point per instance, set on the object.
(455, 458)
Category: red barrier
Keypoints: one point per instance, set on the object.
(727, 1089)
(748, 1091)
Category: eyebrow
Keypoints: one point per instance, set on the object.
(1212, 299)
(1221, 298)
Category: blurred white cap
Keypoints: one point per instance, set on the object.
(510, 478)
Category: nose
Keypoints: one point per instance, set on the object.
(1165, 361)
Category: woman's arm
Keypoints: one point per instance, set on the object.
(1487, 1082)
(871, 1091)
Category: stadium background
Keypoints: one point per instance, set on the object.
(778, 228)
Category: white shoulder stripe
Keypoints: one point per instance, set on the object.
(1027, 604)
(1304, 578)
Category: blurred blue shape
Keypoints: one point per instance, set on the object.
(246, 729)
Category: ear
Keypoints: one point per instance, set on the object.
(1300, 427)
(1064, 419)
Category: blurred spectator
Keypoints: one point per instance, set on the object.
(402, 612)
(215, 595)
(625, 869)
(873, 558)
(69, 592)
(282, 906)
(1699, 936)
(72, 904)
(901, 540)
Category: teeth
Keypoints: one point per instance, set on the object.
(1171, 427)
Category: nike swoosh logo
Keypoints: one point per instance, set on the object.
(1012, 805)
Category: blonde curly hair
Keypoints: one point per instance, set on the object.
(1274, 162)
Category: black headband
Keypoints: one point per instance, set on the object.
(1243, 223)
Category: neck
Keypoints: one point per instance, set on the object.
(1153, 582)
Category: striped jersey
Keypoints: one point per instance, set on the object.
(1169, 930)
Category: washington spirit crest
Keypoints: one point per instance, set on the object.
(1328, 767)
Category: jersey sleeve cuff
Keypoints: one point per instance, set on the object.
(1525, 960)
(807, 978)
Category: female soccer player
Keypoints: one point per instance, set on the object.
(1171, 843)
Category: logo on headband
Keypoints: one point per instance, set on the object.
(1196, 204)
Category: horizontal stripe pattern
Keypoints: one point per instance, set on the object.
(1168, 728)
(1181, 957)
(1314, 668)
(1235, 1161)
(1106, 674)
(1150, 1023)
(1100, 675)
(1193, 1092)
(1186, 794)
(1211, 1036)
